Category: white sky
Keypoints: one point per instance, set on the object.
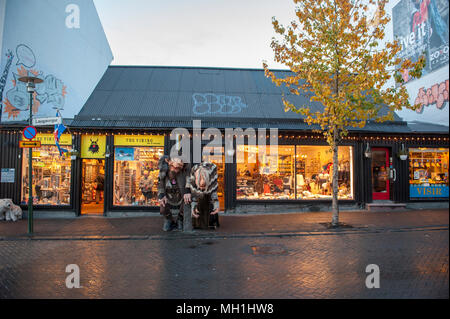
(221, 33)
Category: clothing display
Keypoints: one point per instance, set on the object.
(302, 172)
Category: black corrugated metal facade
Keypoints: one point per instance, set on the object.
(140, 100)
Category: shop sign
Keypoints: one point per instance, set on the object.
(93, 146)
(139, 140)
(8, 175)
(49, 139)
(29, 144)
(421, 191)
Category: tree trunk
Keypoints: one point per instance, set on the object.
(335, 205)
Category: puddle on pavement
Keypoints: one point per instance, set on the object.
(197, 245)
(269, 250)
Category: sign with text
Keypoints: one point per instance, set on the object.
(29, 144)
(49, 139)
(41, 121)
(420, 191)
(7, 175)
(139, 140)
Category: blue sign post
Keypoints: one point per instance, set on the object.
(29, 132)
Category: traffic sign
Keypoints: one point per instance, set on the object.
(29, 144)
(29, 132)
(40, 121)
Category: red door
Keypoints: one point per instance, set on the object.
(380, 174)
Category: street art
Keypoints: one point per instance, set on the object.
(436, 94)
(52, 90)
(9, 58)
(209, 103)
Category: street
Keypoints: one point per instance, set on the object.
(413, 263)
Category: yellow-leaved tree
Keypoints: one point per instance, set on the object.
(338, 56)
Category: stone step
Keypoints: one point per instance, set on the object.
(385, 206)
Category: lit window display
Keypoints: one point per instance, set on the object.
(314, 172)
(136, 175)
(428, 173)
(266, 179)
(51, 176)
(302, 172)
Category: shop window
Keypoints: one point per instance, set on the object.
(261, 177)
(298, 172)
(314, 172)
(136, 175)
(428, 173)
(51, 176)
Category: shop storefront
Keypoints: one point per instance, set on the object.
(136, 169)
(51, 172)
(122, 132)
(429, 171)
(302, 172)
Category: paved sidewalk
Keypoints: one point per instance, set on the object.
(230, 224)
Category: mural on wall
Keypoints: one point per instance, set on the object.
(16, 100)
(67, 49)
(437, 95)
(209, 103)
(421, 26)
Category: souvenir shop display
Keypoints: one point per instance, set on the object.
(51, 177)
(136, 176)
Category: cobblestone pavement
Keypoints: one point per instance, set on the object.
(413, 264)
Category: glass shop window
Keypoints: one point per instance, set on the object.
(428, 173)
(297, 172)
(136, 175)
(51, 176)
(314, 172)
(261, 177)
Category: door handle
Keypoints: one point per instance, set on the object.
(395, 174)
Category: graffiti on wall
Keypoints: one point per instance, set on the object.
(209, 103)
(52, 90)
(436, 94)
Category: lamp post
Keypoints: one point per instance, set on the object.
(30, 81)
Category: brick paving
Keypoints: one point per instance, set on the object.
(253, 257)
(292, 222)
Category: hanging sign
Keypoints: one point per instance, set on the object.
(139, 140)
(41, 121)
(93, 146)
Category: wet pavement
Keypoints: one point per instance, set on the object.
(269, 256)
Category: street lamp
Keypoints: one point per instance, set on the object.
(31, 85)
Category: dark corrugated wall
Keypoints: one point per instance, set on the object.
(10, 157)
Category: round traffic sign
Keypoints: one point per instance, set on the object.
(29, 132)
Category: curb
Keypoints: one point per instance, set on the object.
(204, 235)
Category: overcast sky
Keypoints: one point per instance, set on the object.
(222, 33)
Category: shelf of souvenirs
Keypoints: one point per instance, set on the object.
(428, 181)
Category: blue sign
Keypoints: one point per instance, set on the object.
(432, 191)
(29, 132)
